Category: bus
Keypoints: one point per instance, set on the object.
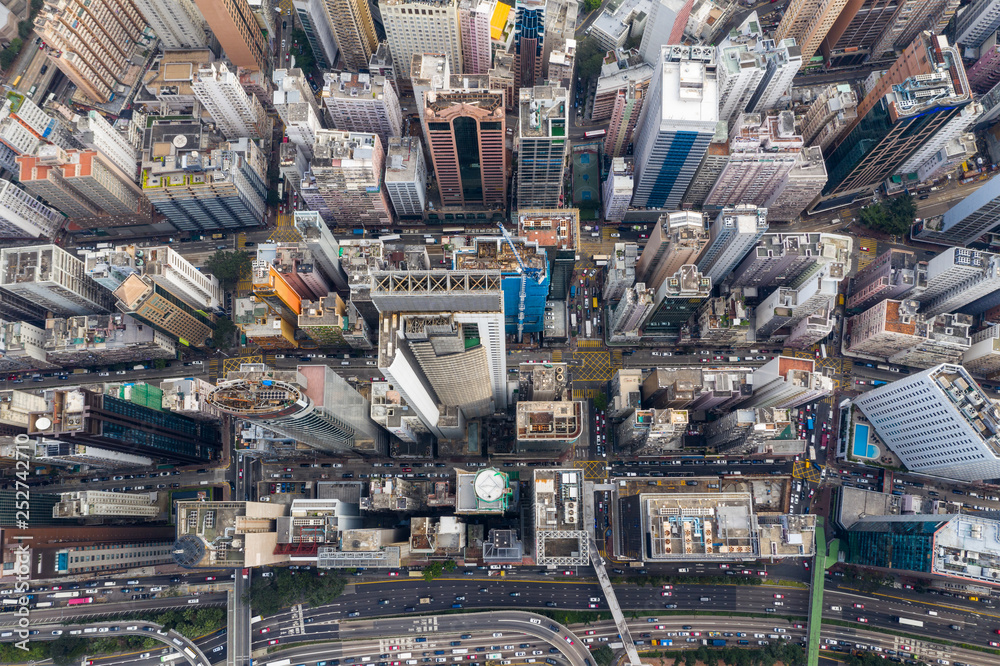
(63, 595)
(593, 134)
(44, 604)
(812, 453)
(822, 349)
(453, 230)
(81, 600)
(281, 662)
(171, 657)
(281, 189)
(389, 237)
(589, 329)
(601, 259)
(189, 652)
(16, 81)
(595, 302)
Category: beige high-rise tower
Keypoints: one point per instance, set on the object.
(236, 28)
(96, 40)
(354, 30)
(807, 22)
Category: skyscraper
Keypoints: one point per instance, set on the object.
(97, 40)
(763, 150)
(235, 112)
(96, 133)
(852, 36)
(675, 300)
(665, 23)
(828, 115)
(477, 50)
(631, 311)
(967, 220)
(618, 190)
(676, 239)
(406, 176)
(345, 179)
(808, 22)
(52, 278)
(799, 186)
(178, 23)
(110, 422)
(912, 18)
(529, 42)
(624, 116)
(80, 183)
(957, 278)
(362, 103)
(413, 27)
(893, 274)
(297, 107)
(938, 422)
(543, 127)
(557, 232)
(922, 91)
(354, 31)
(465, 134)
(787, 382)
(977, 21)
(733, 233)
(897, 332)
(985, 73)
(677, 123)
(23, 216)
(311, 404)
(156, 306)
(235, 26)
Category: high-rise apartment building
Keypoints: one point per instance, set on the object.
(982, 358)
(96, 41)
(618, 190)
(157, 306)
(967, 220)
(85, 503)
(799, 187)
(808, 22)
(897, 332)
(755, 72)
(892, 274)
(676, 239)
(912, 18)
(111, 422)
(529, 43)
(712, 164)
(733, 233)
(81, 179)
(354, 31)
(922, 91)
(381, 63)
(324, 247)
(362, 103)
(233, 23)
(52, 278)
(627, 317)
(621, 271)
(96, 133)
(762, 151)
(542, 137)
(625, 112)
(787, 382)
(202, 190)
(345, 179)
(675, 301)
(474, 19)
(782, 259)
(103, 339)
(938, 422)
(178, 23)
(665, 22)
(23, 216)
(740, 70)
(958, 277)
(236, 113)
(167, 268)
(782, 61)
(828, 115)
(406, 176)
(312, 15)
(296, 106)
(677, 123)
(623, 72)
(860, 24)
(985, 73)
(977, 21)
(414, 27)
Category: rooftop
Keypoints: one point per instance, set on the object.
(550, 228)
(494, 253)
(559, 528)
(689, 88)
(548, 420)
(401, 159)
(544, 112)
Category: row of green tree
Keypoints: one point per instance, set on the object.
(286, 588)
(24, 28)
(782, 652)
(893, 216)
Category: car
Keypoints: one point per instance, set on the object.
(666, 594)
(922, 197)
(779, 596)
(992, 643)
(515, 594)
(859, 606)
(864, 248)
(209, 578)
(265, 630)
(863, 619)
(120, 372)
(569, 640)
(273, 641)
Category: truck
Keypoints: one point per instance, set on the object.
(714, 642)
(426, 600)
(80, 371)
(572, 319)
(589, 329)
(415, 574)
(878, 382)
(218, 236)
(666, 642)
(882, 366)
(572, 291)
(908, 622)
(64, 595)
(734, 359)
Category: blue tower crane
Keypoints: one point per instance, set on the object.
(526, 272)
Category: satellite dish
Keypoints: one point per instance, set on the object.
(43, 423)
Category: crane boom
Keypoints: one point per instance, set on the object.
(526, 272)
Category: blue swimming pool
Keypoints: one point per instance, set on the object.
(863, 448)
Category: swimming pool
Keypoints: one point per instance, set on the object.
(863, 448)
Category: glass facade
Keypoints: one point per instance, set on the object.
(894, 544)
(467, 146)
(142, 430)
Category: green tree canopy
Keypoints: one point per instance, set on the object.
(222, 336)
(229, 267)
(268, 595)
(591, 5)
(589, 58)
(893, 216)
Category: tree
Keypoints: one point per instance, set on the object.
(9, 54)
(603, 655)
(160, 363)
(36, 6)
(591, 5)
(894, 216)
(589, 58)
(449, 565)
(222, 336)
(67, 650)
(601, 402)
(433, 570)
(24, 29)
(229, 267)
